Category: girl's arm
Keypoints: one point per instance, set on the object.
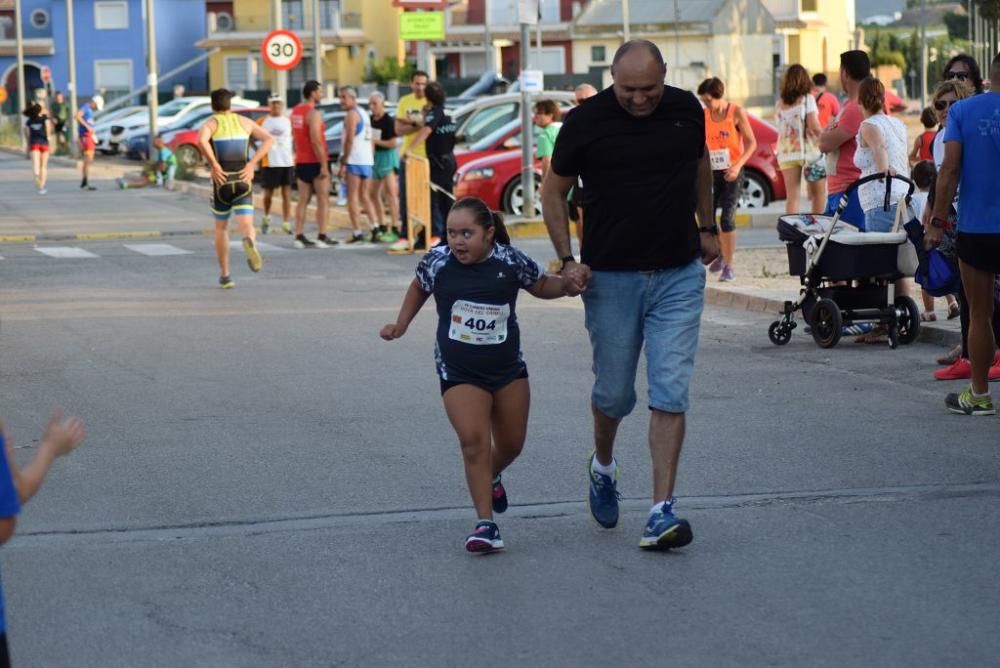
(550, 286)
(60, 438)
(412, 303)
(915, 153)
(812, 125)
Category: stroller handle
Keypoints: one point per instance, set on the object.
(888, 187)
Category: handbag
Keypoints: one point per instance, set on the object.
(810, 152)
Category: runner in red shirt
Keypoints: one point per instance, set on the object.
(827, 105)
(311, 166)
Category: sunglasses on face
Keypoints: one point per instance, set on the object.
(961, 76)
(941, 105)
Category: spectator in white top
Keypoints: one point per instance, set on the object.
(881, 148)
(798, 127)
(357, 163)
(278, 169)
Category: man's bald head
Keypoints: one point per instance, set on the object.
(638, 70)
(584, 91)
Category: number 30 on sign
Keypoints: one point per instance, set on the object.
(282, 50)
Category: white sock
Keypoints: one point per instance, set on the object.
(976, 395)
(608, 470)
(657, 506)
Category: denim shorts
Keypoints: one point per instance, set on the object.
(853, 214)
(623, 310)
(877, 220)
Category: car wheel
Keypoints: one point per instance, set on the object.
(755, 193)
(513, 197)
(188, 156)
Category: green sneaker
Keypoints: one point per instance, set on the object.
(253, 255)
(226, 283)
(287, 227)
(265, 224)
(389, 237)
(966, 404)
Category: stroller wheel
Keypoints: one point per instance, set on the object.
(779, 333)
(907, 319)
(827, 323)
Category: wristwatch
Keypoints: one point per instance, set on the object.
(940, 223)
(566, 259)
(709, 229)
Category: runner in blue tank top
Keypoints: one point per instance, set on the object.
(475, 281)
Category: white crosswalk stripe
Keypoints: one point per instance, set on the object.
(64, 252)
(157, 250)
(262, 246)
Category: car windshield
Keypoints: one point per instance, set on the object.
(486, 121)
(491, 140)
(174, 107)
(335, 130)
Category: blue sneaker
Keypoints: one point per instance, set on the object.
(486, 538)
(604, 496)
(499, 496)
(664, 530)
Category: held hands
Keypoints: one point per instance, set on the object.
(392, 331)
(62, 436)
(932, 236)
(731, 174)
(575, 278)
(710, 248)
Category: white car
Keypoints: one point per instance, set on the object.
(116, 135)
(477, 120)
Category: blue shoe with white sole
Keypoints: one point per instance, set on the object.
(665, 530)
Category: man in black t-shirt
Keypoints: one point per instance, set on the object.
(639, 149)
(438, 133)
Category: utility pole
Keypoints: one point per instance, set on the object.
(152, 81)
(71, 54)
(677, 43)
(626, 28)
(279, 84)
(923, 53)
(317, 43)
(22, 97)
(527, 149)
(487, 38)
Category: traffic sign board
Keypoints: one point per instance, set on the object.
(282, 50)
(46, 75)
(418, 26)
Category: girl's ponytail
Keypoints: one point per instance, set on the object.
(500, 233)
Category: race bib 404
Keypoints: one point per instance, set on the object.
(479, 324)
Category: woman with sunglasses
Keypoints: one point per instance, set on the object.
(964, 69)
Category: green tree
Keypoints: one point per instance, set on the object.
(389, 70)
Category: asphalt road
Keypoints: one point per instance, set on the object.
(267, 483)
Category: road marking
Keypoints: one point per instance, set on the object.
(11, 238)
(261, 245)
(156, 250)
(117, 235)
(64, 252)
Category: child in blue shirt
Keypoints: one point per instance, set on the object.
(18, 485)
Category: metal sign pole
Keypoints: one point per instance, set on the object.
(317, 43)
(151, 78)
(73, 100)
(527, 150)
(22, 95)
(280, 82)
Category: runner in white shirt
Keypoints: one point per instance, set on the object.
(357, 161)
(278, 169)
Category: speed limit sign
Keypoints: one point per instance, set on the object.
(282, 50)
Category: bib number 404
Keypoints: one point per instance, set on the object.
(481, 325)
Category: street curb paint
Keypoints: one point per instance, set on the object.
(17, 238)
(118, 235)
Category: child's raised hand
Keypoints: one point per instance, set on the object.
(63, 435)
(392, 331)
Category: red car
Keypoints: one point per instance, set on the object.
(500, 140)
(183, 140)
(495, 177)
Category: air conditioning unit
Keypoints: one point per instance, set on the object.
(224, 22)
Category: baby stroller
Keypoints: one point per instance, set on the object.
(846, 274)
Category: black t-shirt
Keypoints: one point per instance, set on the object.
(640, 176)
(388, 127)
(478, 339)
(38, 131)
(441, 145)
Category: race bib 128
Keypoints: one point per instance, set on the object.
(478, 324)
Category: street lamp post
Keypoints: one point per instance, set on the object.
(152, 81)
(923, 53)
(22, 98)
(527, 150)
(280, 82)
(317, 43)
(626, 22)
(71, 54)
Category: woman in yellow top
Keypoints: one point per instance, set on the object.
(731, 142)
(225, 142)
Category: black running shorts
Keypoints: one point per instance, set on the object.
(276, 177)
(307, 171)
(980, 251)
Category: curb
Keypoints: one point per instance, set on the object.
(741, 301)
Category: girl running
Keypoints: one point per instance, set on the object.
(38, 127)
(475, 280)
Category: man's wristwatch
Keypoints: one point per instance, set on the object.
(709, 229)
(941, 223)
(566, 259)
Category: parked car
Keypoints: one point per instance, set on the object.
(496, 179)
(184, 141)
(762, 180)
(116, 136)
(503, 139)
(477, 120)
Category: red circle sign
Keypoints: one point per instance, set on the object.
(281, 49)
